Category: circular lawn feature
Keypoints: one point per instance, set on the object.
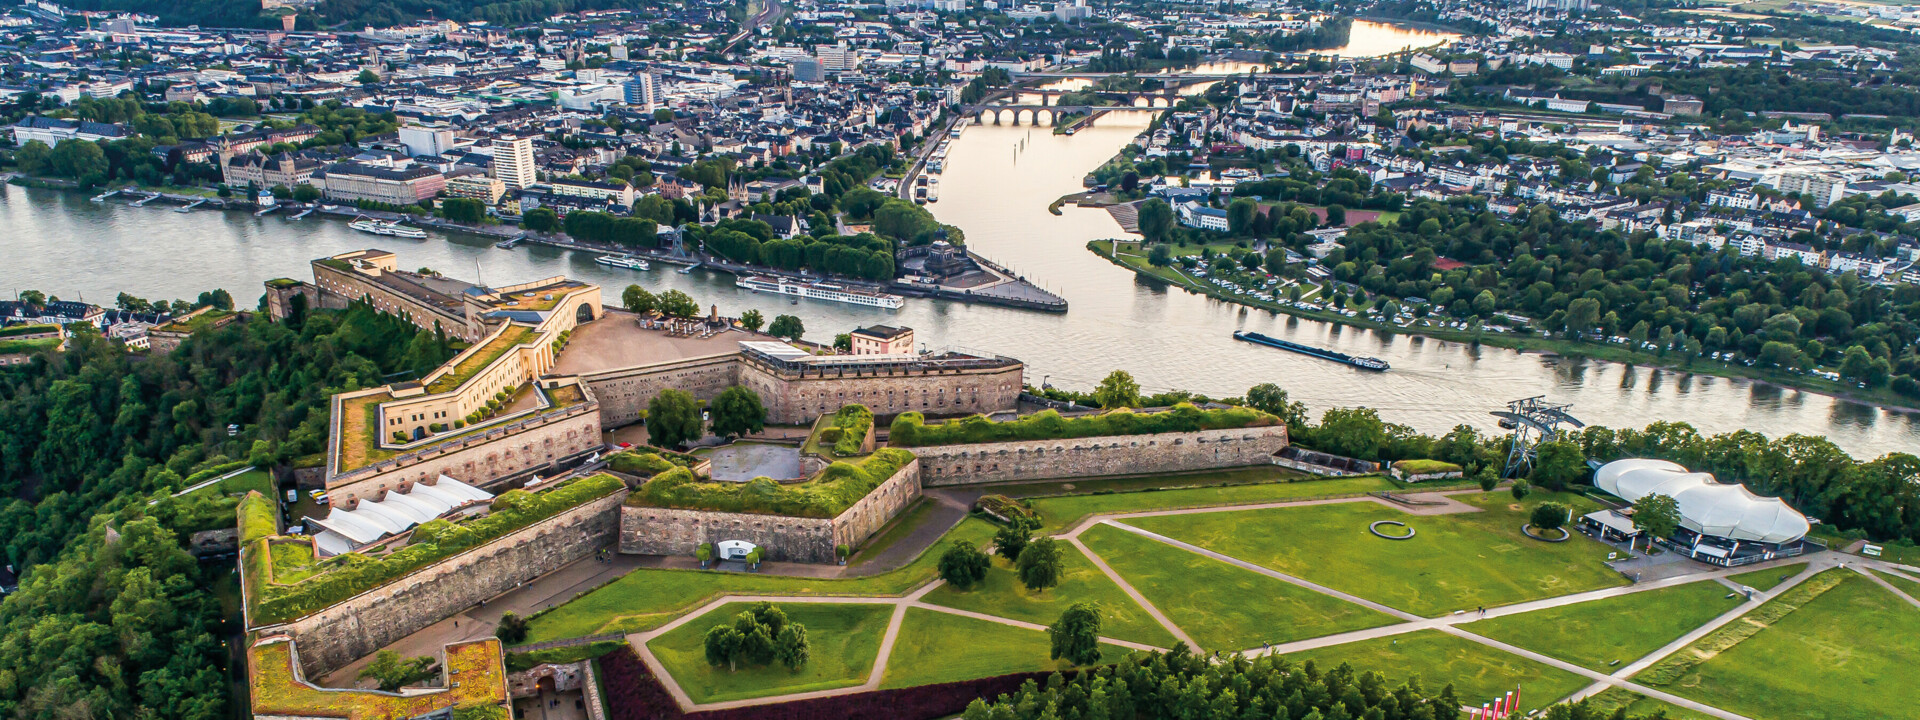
(1374, 527)
(1529, 532)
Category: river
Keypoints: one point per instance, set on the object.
(62, 244)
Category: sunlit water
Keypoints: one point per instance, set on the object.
(998, 192)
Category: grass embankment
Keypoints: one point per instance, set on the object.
(1620, 629)
(646, 599)
(1454, 562)
(841, 435)
(836, 488)
(1223, 607)
(475, 666)
(909, 429)
(843, 640)
(1523, 343)
(1478, 673)
(1848, 648)
(935, 647)
(1060, 513)
(513, 336)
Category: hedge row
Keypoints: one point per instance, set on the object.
(851, 424)
(910, 429)
(836, 488)
(212, 472)
(345, 576)
(633, 693)
(643, 464)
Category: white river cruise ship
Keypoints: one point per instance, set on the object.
(819, 291)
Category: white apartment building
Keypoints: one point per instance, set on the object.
(513, 162)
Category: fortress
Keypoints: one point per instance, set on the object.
(454, 488)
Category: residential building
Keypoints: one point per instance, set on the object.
(513, 162)
(882, 340)
(477, 186)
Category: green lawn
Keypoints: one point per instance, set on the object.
(1768, 579)
(646, 599)
(1002, 594)
(1220, 606)
(1061, 513)
(1641, 706)
(1625, 628)
(1906, 586)
(255, 479)
(1455, 562)
(1478, 673)
(935, 647)
(1849, 654)
(843, 638)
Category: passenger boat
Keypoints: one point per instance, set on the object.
(369, 225)
(1364, 363)
(623, 261)
(819, 291)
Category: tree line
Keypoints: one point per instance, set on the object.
(90, 435)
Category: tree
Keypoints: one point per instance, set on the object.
(540, 220)
(1039, 564)
(1520, 489)
(1076, 635)
(1240, 216)
(466, 210)
(673, 417)
(1656, 515)
(1118, 390)
(305, 193)
(1272, 400)
(722, 644)
(512, 628)
(1160, 256)
(963, 565)
(394, 671)
(737, 411)
(366, 77)
(78, 159)
(675, 303)
(752, 320)
(788, 327)
(1353, 432)
(1013, 537)
(1336, 215)
(1561, 463)
(1155, 220)
(843, 342)
(637, 300)
(1549, 516)
(759, 636)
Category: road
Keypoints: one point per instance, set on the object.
(767, 15)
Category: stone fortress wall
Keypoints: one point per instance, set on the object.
(336, 636)
(624, 393)
(946, 465)
(793, 398)
(672, 531)
(486, 459)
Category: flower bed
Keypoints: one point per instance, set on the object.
(831, 492)
(910, 428)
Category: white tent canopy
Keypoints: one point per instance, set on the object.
(1707, 507)
(397, 512)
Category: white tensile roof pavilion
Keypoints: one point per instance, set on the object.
(344, 530)
(1707, 507)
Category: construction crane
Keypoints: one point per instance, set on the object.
(1533, 421)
